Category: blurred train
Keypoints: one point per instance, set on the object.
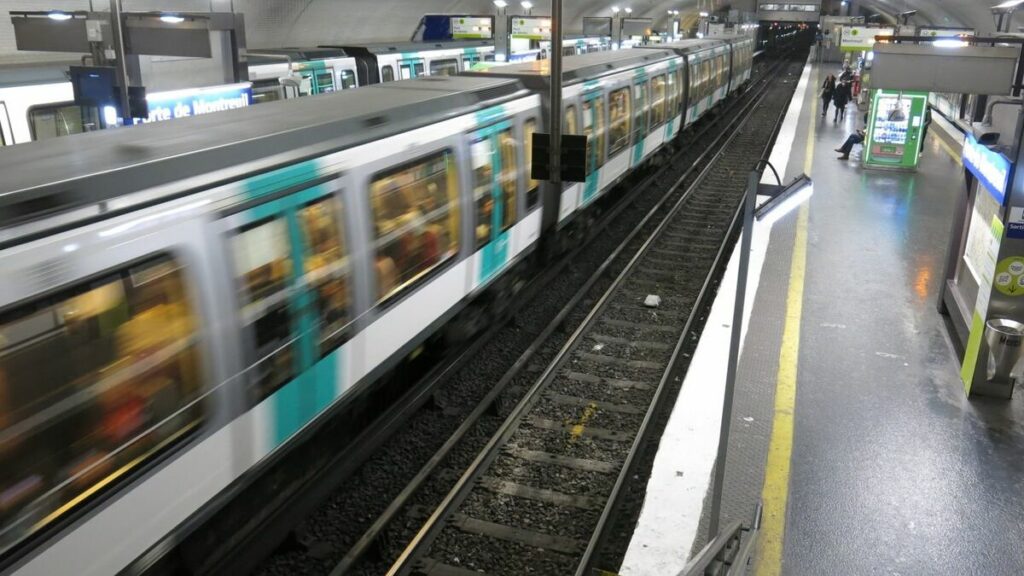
(37, 103)
(179, 301)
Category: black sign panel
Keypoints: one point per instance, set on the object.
(573, 156)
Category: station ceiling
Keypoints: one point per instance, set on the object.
(273, 23)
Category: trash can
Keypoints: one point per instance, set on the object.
(1004, 338)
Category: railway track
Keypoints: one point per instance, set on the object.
(384, 536)
(539, 496)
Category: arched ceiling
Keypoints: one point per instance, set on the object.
(271, 23)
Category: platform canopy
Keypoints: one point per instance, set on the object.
(960, 69)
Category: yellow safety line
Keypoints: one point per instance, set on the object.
(775, 492)
(952, 154)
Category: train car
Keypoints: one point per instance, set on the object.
(628, 102)
(709, 65)
(213, 285)
(314, 70)
(387, 62)
(37, 103)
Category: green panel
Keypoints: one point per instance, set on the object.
(891, 142)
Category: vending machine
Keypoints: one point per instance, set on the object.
(895, 129)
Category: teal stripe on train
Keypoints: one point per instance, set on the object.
(315, 385)
(590, 186)
(640, 77)
(494, 255)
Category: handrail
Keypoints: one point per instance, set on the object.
(713, 550)
(712, 557)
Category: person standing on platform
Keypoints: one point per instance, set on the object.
(841, 97)
(924, 130)
(828, 88)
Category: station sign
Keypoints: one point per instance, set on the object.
(861, 38)
(938, 33)
(991, 168)
(531, 27)
(471, 28)
(195, 101)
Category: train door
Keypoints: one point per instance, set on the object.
(495, 200)
(6, 134)
(292, 271)
(639, 119)
(410, 68)
(345, 78)
(594, 130)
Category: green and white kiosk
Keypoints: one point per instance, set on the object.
(895, 129)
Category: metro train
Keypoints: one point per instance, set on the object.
(38, 103)
(180, 301)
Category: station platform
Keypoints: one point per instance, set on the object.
(850, 423)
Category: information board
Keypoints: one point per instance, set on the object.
(531, 27)
(861, 38)
(193, 102)
(472, 28)
(991, 168)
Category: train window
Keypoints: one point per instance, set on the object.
(705, 78)
(569, 125)
(324, 82)
(405, 70)
(696, 88)
(387, 73)
(416, 217)
(639, 111)
(348, 79)
(533, 186)
(620, 117)
(53, 120)
(93, 382)
(444, 67)
(326, 266)
(508, 179)
(418, 67)
(673, 94)
(263, 267)
(266, 91)
(658, 97)
(568, 51)
(593, 129)
(482, 152)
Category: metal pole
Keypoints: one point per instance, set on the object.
(555, 112)
(117, 26)
(734, 352)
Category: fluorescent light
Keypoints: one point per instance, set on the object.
(949, 43)
(526, 5)
(171, 19)
(629, 10)
(794, 194)
(615, 9)
(500, 3)
(1009, 4)
(110, 115)
(703, 14)
(58, 15)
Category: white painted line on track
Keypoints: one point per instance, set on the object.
(681, 475)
